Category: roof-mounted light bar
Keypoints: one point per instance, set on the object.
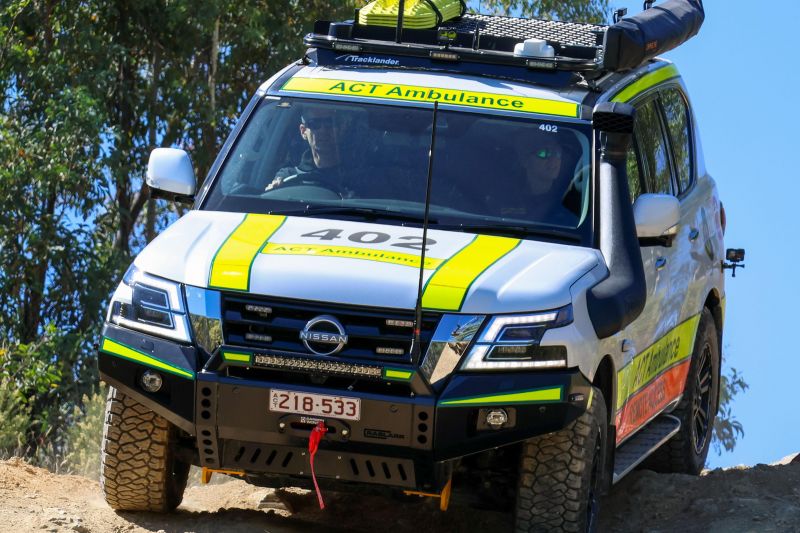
(441, 55)
(341, 46)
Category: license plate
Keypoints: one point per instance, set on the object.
(284, 401)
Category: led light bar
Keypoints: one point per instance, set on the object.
(259, 337)
(389, 351)
(260, 309)
(346, 47)
(476, 361)
(315, 365)
(542, 64)
(444, 56)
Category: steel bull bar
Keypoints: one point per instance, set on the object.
(407, 441)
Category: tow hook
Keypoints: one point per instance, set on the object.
(444, 496)
(206, 473)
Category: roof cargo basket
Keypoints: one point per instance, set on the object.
(527, 43)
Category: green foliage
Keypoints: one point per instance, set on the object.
(87, 89)
(32, 387)
(596, 11)
(14, 421)
(727, 429)
(84, 436)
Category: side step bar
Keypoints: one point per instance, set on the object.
(645, 442)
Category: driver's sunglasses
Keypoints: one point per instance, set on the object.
(318, 123)
(545, 153)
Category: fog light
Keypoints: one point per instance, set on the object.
(151, 381)
(496, 418)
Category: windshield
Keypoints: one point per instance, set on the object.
(490, 173)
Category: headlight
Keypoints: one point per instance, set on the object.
(512, 341)
(150, 304)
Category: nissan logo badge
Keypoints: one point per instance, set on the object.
(323, 335)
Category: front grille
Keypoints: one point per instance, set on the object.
(272, 324)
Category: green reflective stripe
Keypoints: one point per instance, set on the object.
(554, 394)
(237, 357)
(645, 82)
(674, 346)
(127, 352)
(397, 374)
(449, 284)
(233, 261)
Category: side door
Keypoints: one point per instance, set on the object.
(694, 248)
(649, 171)
(696, 242)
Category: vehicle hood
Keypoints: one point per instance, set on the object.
(365, 264)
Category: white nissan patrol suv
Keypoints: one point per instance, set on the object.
(482, 257)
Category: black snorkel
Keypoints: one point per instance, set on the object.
(616, 301)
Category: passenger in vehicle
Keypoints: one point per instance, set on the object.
(539, 159)
(542, 168)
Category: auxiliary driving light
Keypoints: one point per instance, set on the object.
(496, 418)
(151, 381)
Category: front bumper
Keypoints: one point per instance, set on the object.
(403, 439)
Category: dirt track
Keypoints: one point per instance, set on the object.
(759, 499)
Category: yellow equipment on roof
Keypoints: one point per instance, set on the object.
(417, 14)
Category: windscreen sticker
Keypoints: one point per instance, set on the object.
(447, 287)
(351, 252)
(670, 349)
(413, 93)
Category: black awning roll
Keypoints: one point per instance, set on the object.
(634, 40)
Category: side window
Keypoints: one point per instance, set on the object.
(677, 116)
(634, 175)
(652, 149)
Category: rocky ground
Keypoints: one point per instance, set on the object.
(763, 498)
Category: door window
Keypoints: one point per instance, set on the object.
(634, 174)
(652, 149)
(677, 117)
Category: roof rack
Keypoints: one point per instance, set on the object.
(474, 38)
(577, 47)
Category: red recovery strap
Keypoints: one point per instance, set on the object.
(313, 444)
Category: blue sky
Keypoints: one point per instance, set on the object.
(742, 84)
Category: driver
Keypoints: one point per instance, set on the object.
(321, 161)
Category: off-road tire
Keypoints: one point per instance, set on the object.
(562, 475)
(139, 470)
(680, 454)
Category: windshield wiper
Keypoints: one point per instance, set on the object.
(369, 213)
(513, 230)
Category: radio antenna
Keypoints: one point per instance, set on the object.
(400, 13)
(416, 343)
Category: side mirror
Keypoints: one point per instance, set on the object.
(656, 216)
(170, 174)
